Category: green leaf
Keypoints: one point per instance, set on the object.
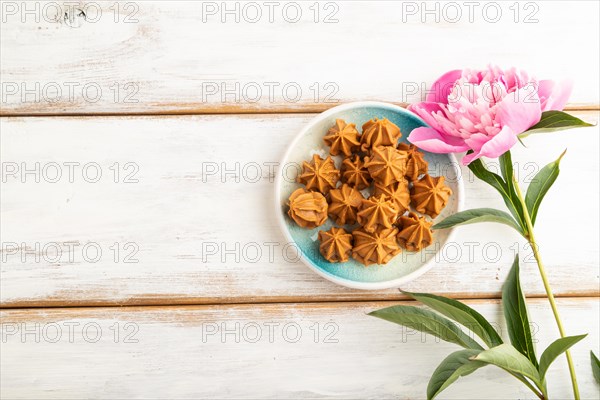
(428, 322)
(555, 121)
(453, 367)
(516, 209)
(507, 357)
(478, 215)
(506, 168)
(515, 313)
(555, 349)
(540, 185)
(462, 314)
(595, 366)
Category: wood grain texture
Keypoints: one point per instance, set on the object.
(200, 221)
(329, 350)
(150, 57)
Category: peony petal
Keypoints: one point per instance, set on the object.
(429, 139)
(424, 110)
(554, 96)
(443, 86)
(520, 110)
(469, 158)
(495, 147)
(499, 144)
(510, 79)
(476, 141)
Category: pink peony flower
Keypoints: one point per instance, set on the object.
(483, 111)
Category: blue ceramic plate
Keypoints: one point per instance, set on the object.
(406, 266)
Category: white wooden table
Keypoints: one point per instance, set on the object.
(139, 143)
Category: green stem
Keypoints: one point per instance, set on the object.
(531, 238)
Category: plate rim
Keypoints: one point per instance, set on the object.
(393, 283)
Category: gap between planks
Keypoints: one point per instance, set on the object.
(234, 109)
(267, 305)
(208, 302)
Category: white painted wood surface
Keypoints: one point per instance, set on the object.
(204, 233)
(185, 352)
(170, 57)
(177, 194)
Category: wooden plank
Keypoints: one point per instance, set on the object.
(197, 191)
(180, 57)
(329, 350)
